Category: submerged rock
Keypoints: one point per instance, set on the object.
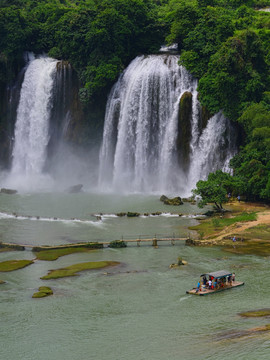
(180, 262)
(133, 214)
(75, 189)
(256, 313)
(8, 191)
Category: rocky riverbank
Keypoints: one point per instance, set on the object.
(244, 228)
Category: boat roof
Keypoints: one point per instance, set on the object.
(219, 274)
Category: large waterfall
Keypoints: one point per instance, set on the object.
(43, 117)
(146, 146)
(32, 125)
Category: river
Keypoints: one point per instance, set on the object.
(138, 310)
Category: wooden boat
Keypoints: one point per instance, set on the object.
(220, 280)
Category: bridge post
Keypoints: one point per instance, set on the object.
(155, 242)
(173, 240)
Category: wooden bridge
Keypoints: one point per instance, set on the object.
(138, 240)
(154, 240)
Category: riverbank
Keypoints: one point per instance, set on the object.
(244, 236)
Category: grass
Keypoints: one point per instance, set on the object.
(256, 313)
(249, 247)
(261, 232)
(43, 291)
(12, 265)
(73, 270)
(209, 227)
(54, 254)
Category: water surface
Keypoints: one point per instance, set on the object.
(138, 310)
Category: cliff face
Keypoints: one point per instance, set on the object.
(184, 129)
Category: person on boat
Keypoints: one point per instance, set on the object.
(233, 277)
(215, 284)
(204, 280)
(198, 287)
(210, 284)
(230, 280)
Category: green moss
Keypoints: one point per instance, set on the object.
(43, 291)
(249, 247)
(173, 201)
(73, 270)
(12, 265)
(133, 214)
(256, 313)
(121, 214)
(50, 253)
(11, 247)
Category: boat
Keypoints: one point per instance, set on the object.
(211, 283)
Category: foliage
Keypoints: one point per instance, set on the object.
(225, 43)
(98, 38)
(252, 163)
(215, 189)
(117, 244)
(236, 74)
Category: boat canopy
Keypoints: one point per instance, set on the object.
(218, 274)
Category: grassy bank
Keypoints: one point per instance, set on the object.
(73, 270)
(211, 227)
(12, 265)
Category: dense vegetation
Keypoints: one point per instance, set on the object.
(225, 43)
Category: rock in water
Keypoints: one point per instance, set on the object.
(8, 191)
(174, 201)
(75, 189)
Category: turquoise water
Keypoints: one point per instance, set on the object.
(138, 310)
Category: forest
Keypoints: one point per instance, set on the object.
(223, 43)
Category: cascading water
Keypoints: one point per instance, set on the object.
(142, 140)
(42, 157)
(32, 125)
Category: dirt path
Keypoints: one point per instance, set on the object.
(263, 217)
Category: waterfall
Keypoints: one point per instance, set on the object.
(33, 113)
(213, 149)
(32, 126)
(140, 148)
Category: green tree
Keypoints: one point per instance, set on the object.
(215, 189)
(237, 74)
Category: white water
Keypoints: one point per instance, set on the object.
(32, 123)
(139, 151)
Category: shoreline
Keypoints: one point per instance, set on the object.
(247, 233)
